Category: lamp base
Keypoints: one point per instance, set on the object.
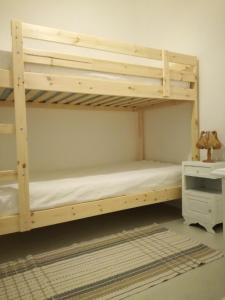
(209, 156)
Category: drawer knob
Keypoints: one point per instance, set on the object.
(209, 210)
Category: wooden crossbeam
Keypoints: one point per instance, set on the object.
(87, 41)
(7, 128)
(85, 85)
(8, 175)
(86, 63)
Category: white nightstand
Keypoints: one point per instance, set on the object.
(202, 194)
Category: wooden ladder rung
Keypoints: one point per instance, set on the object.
(8, 175)
(7, 128)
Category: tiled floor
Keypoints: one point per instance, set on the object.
(204, 283)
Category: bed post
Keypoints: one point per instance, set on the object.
(21, 126)
(195, 115)
(166, 74)
(141, 145)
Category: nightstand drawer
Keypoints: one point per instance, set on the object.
(195, 203)
(198, 171)
(207, 206)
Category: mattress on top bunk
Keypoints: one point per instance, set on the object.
(63, 188)
(6, 63)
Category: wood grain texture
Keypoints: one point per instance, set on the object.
(8, 175)
(78, 211)
(7, 128)
(195, 117)
(21, 127)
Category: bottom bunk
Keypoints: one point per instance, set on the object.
(97, 191)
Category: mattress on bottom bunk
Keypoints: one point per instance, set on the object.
(63, 188)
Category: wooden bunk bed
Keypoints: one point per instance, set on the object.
(56, 91)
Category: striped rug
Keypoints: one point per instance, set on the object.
(113, 267)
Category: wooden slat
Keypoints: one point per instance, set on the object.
(92, 100)
(114, 100)
(70, 106)
(8, 175)
(181, 75)
(101, 99)
(86, 63)
(136, 103)
(30, 94)
(143, 101)
(122, 101)
(177, 93)
(58, 98)
(91, 64)
(6, 78)
(131, 101)
(45, 96)
(156, 102)
(148, 102)
(181, 58)
(7, 128)
(21, 127)
(83, 85)
(87, 41)
(70, 98)
(83, 99)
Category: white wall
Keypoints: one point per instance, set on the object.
(193, 27)
(62, 139)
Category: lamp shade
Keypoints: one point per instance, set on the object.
(214, 141)
(208, 140)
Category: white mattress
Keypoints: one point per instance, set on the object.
(63, 188)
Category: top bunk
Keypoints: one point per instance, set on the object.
(136, 78)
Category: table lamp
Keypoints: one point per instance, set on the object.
(208, 140)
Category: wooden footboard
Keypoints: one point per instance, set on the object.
(41, 218)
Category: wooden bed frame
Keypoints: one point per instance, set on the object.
(41, 90)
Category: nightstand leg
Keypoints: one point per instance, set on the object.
(209, 228)
(189, 221)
